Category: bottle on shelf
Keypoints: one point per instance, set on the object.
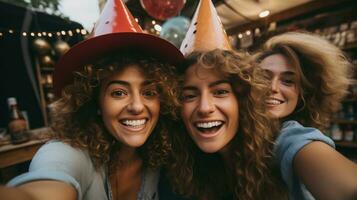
(349, 115)
(17, 126)
(336, 132)
(349, 134)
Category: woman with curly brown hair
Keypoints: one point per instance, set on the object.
(112, 119)
(224, 149)
(309, 78)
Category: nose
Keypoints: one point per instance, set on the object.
(275, 85)
(136, 105)
(206, 105)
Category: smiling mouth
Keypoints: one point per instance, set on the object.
(208, 127)
(274, 102)
(134, 124)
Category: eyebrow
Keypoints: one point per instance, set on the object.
(125, 83)
(288, 73)
(285, 73)
(209, 85)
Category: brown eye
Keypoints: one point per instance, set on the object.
(220, 92)
(150, 93)
(118, 93)
(288, 82)
(186, 97)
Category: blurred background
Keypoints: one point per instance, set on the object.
(34, 34)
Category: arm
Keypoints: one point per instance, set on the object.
(55, 171)
(326, 173)
(39, 190)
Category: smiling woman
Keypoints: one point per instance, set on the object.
(116, 103)
(284, 87)
(223, 149)
(309, 78)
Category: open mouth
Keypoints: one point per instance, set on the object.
(273, 102)
(137, 123)
(209, 127)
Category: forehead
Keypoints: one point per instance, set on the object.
(128, 72)
(198, 72)
(278, 63)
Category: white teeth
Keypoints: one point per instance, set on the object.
(208, 124)
(273, 102)
(134, 122)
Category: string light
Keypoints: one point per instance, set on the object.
(70, 33)
(84, 32)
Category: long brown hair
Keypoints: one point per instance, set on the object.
(199, 175)
(76, 121)
(323, 72)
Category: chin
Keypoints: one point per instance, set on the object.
(208, 148)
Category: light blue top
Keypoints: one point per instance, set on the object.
(292, 138)
(59, 161)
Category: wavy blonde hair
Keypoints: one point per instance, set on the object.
(76, 121)
(323, 72)
(198, 175)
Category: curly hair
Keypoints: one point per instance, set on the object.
(196, 174)
(322, 70)
(75, 118)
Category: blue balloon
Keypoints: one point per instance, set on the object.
(174, 30)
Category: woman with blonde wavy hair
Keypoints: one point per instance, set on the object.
(223, 150)
(117, 99)
(309, 78)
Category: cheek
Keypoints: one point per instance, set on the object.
(290, 92)
(294, 93)
(154, 107)
(186, 111)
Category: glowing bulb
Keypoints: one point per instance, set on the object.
(264, 13)
(157, 27)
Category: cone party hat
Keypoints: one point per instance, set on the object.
(206, 31)
(115, 31)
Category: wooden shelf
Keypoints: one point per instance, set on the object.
(350, 46)
(350, 99)
(12, 154)
(345, 121)
(346, 144)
